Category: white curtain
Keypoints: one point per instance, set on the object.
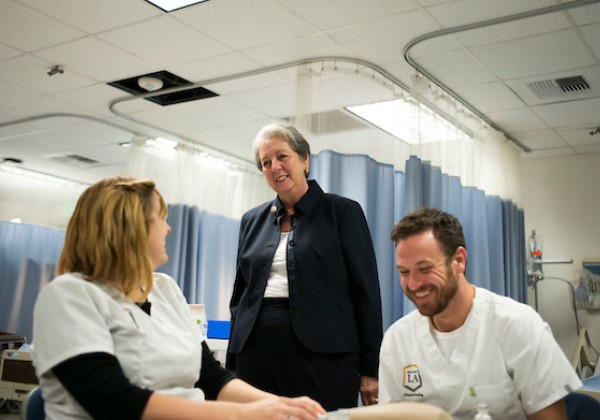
(438, 129)
(197, 178)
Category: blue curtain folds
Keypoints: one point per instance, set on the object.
(28, 258)
(202, 251)
(202, 246)
(494, 229)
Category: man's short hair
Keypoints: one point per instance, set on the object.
(446, 228)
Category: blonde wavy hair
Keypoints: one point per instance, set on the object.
(107, 236)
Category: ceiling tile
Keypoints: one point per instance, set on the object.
(97, 59)
(214, 67)
(101, 133)
(434, 46)
(280, 101)
(197, 114)
(12, 93)
(267, 20)
(94, 16)
(7, 52)
(41, 30)
(591, 34)
(338, 13)
(516, 120)
(540, 139)
(103, 94)
(456, 69)
(165, 41)
(516, 29)
(257, 81)
(571, 114)
(488, 97)
(301, 49)
(24, 146)
(17, 126)
(60, 139)
(456, 13)
(586, 14)
(109, 154)
(32, 73)
(45, 105)
(553, 52)
(580, 137)
(383, 40)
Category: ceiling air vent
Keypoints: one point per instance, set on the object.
(554, 88)
(75, 160)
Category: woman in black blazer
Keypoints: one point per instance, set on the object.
(306, 306)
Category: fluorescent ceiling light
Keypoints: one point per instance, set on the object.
(408, 120)
(170, 5)
(47, 179)
(162, 143)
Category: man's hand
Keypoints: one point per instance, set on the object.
(369, 390)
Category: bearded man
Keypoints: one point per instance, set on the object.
(464, 345)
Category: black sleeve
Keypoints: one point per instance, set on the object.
(99, 385)
(213, 376)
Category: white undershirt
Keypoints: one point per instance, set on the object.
(277, 283)
(446, 341)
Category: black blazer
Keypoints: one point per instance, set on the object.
(335, 303)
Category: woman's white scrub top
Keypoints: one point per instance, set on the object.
(161, 352)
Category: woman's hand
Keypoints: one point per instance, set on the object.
(283, 408)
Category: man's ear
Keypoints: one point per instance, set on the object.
(460, 256)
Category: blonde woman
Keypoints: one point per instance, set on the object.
(113, 339)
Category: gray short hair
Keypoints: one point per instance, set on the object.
(289, 133)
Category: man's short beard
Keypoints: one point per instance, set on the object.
(444, 295)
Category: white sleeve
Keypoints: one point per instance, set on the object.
(542, 373)
(70, 318)
(388, 389)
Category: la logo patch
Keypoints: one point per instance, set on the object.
(412, 377)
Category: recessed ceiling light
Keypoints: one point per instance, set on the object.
(168, 80)
(170, 5)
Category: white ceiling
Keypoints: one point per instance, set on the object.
(244, 50)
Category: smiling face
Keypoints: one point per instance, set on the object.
(284, 169)
(428, 278)
(157, 234)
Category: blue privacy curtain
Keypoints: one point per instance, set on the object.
(202, 250)
(202, 246)
(372, 184)
(28, 258)
(494, 229)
